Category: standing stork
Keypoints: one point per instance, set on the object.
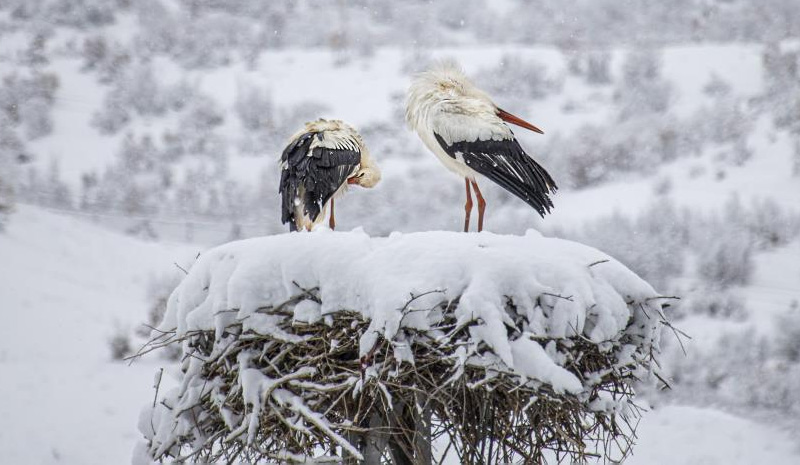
(467, 131)
(317, 165)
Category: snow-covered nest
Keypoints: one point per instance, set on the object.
(339, 345)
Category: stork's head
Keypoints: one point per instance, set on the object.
(367, 177)
(445, 87)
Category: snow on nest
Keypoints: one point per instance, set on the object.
(561, 287)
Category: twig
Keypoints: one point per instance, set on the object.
(558, 296)
(181, 268)
(157, 385)
(662, 297)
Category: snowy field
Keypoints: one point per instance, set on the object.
(679, 156)
(64, 401)
(75, 283)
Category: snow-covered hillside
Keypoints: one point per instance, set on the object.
(66, 287)
(752, 159)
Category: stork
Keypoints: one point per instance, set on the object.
(317, 165)
(467, 131)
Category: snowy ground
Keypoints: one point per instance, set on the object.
(63, 401)
(701, 436)
(65, 285)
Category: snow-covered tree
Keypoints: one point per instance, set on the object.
(81, 13)
(593, 66)
(254, 108)
(642, 89)
(28, 100)
(745, 370)
(106, 59)
(652, 244)
(58, 193)
(782, 85)
(728, 261)
(598, 68)
(518, 77)
(139, 92)
(796, 154)
(36, 54)
(257, 114)
(8, 174)
(35, 113)
(197, 136)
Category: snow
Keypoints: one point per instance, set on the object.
(775, 283)
(702, 436)
(92, 278)
(766, 176)
(76, 412)
(531, 360)
(771, 292)
(76, 101)
(552, 280)
(692, 67)
(65, 285)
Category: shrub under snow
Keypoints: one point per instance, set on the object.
(339, 345)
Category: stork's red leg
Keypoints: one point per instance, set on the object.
(332, 220)
(467, 206)
(481, 205)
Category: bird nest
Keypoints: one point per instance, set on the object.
(308, 391)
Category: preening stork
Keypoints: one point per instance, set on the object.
(317, 165)
(467, 131)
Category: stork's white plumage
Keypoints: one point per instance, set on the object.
(467, 131)
(316, 167)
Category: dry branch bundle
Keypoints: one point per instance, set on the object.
(303, 390)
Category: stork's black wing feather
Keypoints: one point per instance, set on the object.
(506, 163)
(312, 175)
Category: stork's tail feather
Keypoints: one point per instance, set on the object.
(535, 192)
(506, 163)
(293, 161)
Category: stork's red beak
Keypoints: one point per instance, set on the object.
(509, 118)
(353, 180)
